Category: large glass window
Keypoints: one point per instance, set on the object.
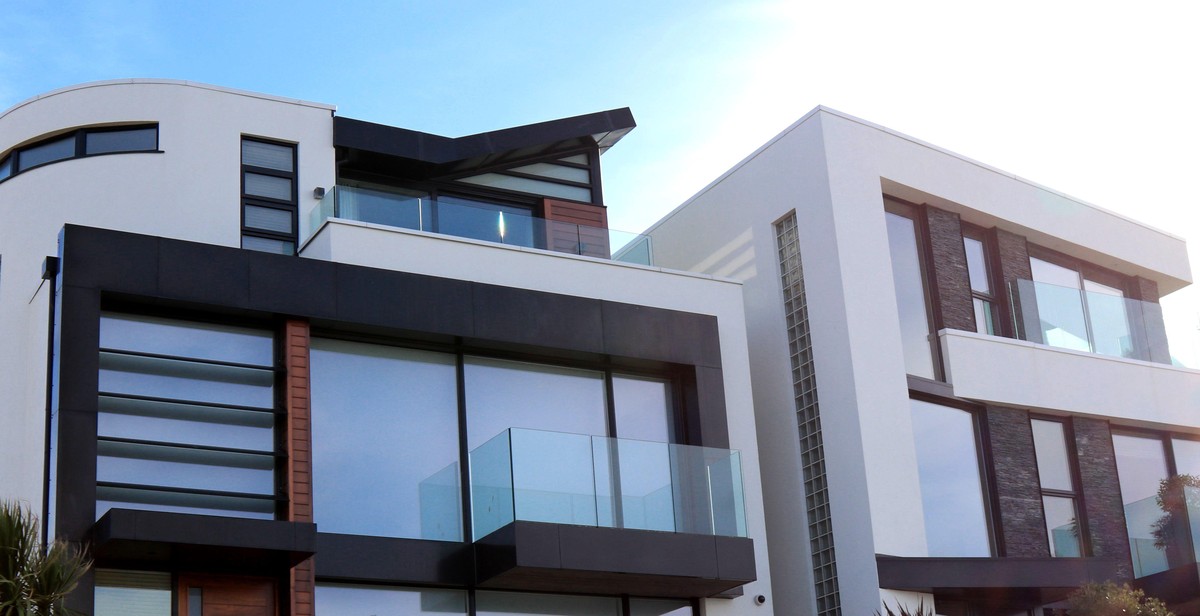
(1080, 313)
(1058, 487)
(385, 441)
(909, 280)
(503, 394)
(483, 220)
(1141, 468)
(956, 521)
(489, 603)
(348, 600)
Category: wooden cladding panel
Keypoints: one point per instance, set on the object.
(229, 596)
(299, 444)
(576, 228)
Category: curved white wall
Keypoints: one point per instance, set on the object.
(191, 191)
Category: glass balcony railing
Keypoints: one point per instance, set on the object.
(1164, 531)
(498, 223)
(561, 478)
(1089, 321)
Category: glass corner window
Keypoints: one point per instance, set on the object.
(956, 518)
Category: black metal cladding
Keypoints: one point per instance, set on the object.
(177, 276)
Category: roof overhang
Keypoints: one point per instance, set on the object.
(368, 144)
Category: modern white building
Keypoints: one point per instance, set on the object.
(267, 359)
(963, 389)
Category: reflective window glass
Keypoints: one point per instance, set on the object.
(659, 607)
(5, 167)
(265, 244)
(977, 265)
(267, 155)
(269, 186)
(1187, 456)
(186, 339)
(48, 152)
(268, 218)
(347, 600)
(984, 321)
(910, 296)
(643, 407)
(132, 140)
(527, 185)
(1062, 526)
(380, 411)
(132, 593)
(493, 222)
(1141, 466)
(1050, 444)
(504, 394)
(951, 489)
(490, 603)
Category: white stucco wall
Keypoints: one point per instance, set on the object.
(191, 191)
(526, 268)
(1027, 375)
(833, 169)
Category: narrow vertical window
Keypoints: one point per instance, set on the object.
(1056, 476)
(269, 200)
(982, 294)
(908, 274)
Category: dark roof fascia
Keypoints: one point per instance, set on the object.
(604, 128)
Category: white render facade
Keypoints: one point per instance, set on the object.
(118, 255)
(861, 201)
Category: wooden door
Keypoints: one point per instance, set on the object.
(212, 595)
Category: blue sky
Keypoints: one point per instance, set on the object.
(1089, 98)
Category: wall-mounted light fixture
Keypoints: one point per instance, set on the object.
(319, 192)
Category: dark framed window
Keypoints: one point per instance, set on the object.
(954, 494)
(1057, 471)
(983, 287)
(269, 196)
(1083, 307)
(1158, 474)
(377, 407)
(81, 143)
(906, 242)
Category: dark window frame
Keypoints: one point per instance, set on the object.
(1076, 494)
(933, 316)
(983, 455)
(13, 158)
(994, 298)
(291, 205)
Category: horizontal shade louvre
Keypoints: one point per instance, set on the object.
(558, 172)
(133, 140)
(526, 185)
(269, 186)
(266, 244)
(268, 219)
(267, 155)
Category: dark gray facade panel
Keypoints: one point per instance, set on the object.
(566, 558)
(1017, 487)
(664, 335)
(707, 413)
(404, 301)
(171, 274)
(951, 282)
(532, 318)
(353, 558)
(1101, 492)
